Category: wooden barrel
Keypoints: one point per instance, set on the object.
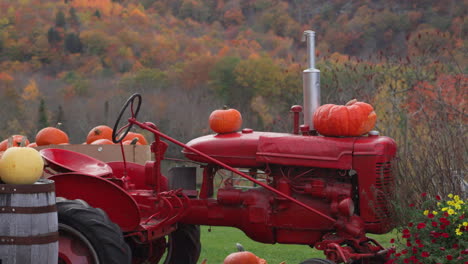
(28, 223)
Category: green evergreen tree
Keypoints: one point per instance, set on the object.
(74, 19)
(97, 14)
(73, 43)
(60, 118)
(53, 36)
(60, 19)
(42, 119)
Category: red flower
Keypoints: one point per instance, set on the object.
(442, 248)
(446, 235)
(411, 205)
(434, 224)
(449, 257)
(392, 240)
(446, 214)
(408, 244)
(407, 260)
(423, 194)
(455, 246)
(410, 224)
(438, 198)
(425, 254)
(421, 225)
(430, 215)
(405, 251)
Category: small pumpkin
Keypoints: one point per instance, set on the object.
(132, 135)
(102, 141)
(131, 142)
(353, 119)
(98, 132)
(51, 136)
(243, 257)
(225, 120)
(16, 141)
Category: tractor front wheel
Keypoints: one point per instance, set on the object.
(180, 247)
(88, 236)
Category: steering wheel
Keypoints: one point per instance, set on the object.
(116, 132)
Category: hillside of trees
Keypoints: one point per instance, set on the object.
(75, 62)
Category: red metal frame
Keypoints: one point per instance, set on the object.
(310, 199)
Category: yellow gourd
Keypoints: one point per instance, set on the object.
(21, 165)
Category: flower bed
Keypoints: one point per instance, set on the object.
(437, 232)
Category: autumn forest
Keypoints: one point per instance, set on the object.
(75, 62)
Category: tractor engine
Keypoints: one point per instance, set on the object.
(322, 172)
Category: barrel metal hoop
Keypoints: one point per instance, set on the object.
(28, 210)
(43, 187)
(30, 240)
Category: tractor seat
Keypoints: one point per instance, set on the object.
(63, 161)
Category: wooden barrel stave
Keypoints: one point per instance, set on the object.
(30, 219)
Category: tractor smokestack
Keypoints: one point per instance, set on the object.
(311, 81)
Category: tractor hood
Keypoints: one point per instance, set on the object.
(248, 149)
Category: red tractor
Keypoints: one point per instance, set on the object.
(324, 192)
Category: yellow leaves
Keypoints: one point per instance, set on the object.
(31, 91)
(138, 17)
(260, 106)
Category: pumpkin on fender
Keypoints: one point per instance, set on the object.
(353, 119)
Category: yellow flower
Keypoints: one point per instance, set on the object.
(456, 198)
(444, 209)
(426, 212)
(457, 206)
(465, 223)
(434, 212)
(458, 232)
(450, 195)
(451, 212)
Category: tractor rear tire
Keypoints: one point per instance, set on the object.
(317, 261)
(91, 230)
(184, 245)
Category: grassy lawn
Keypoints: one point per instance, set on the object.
(221, 241)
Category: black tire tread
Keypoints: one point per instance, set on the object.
(185, 245)
(105, 236)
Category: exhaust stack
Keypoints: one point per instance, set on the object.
(311, 81)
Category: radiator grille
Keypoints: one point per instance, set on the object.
(383, 189)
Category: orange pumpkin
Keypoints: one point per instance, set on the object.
(51, 136)
(102, 141)
(141, 139)
(225, 120)
(98, 132)
(353, 119)
(243, 257)
(131, 142)
(16, 142)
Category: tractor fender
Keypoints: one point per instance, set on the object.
(98, 192)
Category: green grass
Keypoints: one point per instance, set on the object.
(221, 241)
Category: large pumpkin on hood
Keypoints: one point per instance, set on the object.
(353, 119)
(225, 120)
